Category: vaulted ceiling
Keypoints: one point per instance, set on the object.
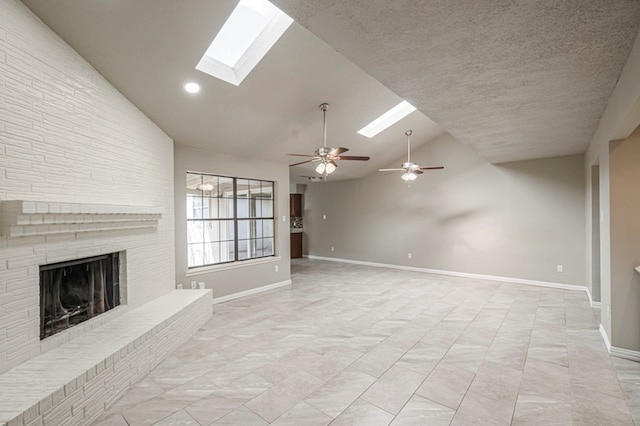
(513, 80)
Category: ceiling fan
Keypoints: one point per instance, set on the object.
(411, 170)
(327, 156)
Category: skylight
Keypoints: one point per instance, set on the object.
(251, 30)
(387, 119)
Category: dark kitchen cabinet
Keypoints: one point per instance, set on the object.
(295, 205)
(296, 245)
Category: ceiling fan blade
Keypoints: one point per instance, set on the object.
(391, 170)
(302, 162)
(432, 168)
(302, 155)
(337, 151)
(352, 157)
(418, 172)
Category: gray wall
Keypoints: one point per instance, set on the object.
(625, 241)
(240, 276)
(517, 220)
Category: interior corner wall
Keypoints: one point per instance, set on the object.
(621, 102)
(515, 220)
(625, 242)
(243, 276)
(68, 136)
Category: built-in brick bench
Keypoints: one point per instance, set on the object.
(74, 383)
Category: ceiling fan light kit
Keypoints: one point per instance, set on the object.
(411, 170)
(327, 156)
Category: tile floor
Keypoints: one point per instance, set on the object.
(356, 345)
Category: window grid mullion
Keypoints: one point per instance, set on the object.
(235, 220)
(254, 204)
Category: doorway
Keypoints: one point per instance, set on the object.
(595, 234)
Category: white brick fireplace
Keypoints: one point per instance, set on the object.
(82, 173)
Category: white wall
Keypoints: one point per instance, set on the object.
(515, 220)
(67, 135)
(249, 275)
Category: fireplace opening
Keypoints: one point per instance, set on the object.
(75, 291)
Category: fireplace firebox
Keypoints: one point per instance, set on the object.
(75, 291)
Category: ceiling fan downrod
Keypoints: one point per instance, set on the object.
(408, 133)
(324, 107)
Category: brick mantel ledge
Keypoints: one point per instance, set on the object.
(22, 218)
(75, 383)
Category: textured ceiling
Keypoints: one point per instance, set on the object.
(513, 79)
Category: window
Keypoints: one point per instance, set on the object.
(228, 219)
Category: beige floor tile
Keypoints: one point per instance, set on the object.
(217, 405)
(150, 412)
(496, 382)
(345, 341)
(377, 360)
(477, 409)
(180, 418)
(421, 411)
(241, 416)
(542, 410)
(112, 420)
(422, 358)
(274, 402)
(194, 390)
(590, 407)
(447, 384)
(362, 413)
(340, 392)
(303, 414)
(392, 391)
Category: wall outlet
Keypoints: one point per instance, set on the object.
(409, 255)
(179, 286)
(277, 268)
(559, 268)
(333, 248)
(193, 284)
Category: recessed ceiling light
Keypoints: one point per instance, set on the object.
(387, 119)
(192, 87)
(250, 31)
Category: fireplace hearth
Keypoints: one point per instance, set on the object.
(76, 291)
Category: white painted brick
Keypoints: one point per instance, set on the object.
(42, 207)
(36, 422)
(18, 421)
(83, 143)
(36, 219)
(29, 207)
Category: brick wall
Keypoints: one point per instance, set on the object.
(68, 136)
(101, 365)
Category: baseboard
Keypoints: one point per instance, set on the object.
(457, 274)
(603, 333)
(589, 296)
(593, 304)
(619, 352)
(625, 353)
(250, 292)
